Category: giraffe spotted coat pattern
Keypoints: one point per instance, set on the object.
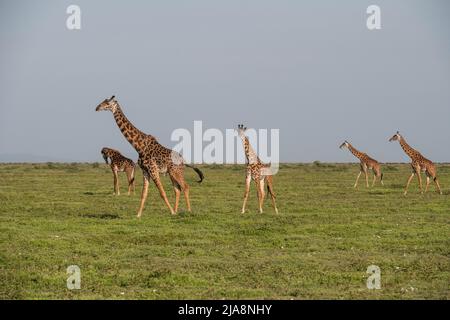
(419, 164)
(119, 163)
(366, 163)
(154, 159)
(256, 171)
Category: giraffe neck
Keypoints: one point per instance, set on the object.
(412, 153)
(250, 154)
(355, 152)
(133, 135)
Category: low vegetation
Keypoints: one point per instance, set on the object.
(319, 246)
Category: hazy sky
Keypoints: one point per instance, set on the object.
(309, 68)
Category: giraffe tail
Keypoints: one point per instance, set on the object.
(381, 178)
(200, 174)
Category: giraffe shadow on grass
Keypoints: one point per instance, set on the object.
(103, 215)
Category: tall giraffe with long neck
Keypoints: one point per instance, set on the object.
(256, 171)
(366, 164)
(153, 158)
(418, 163)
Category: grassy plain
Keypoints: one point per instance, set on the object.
(319, 246)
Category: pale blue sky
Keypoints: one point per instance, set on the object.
(309, 68)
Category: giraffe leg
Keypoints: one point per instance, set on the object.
(269, 181)
(116, 183)
(248, 180)
(134, 180)
(185, 189)
(181, 185)
(143, 195)
(177, 189)
(431, 172)
(437, 185)
(157, 181)
(130, 179)
(419, 177)
(258, 190)
(177, 197)
(428, 183)
(260, 185)
(357, 178)
(407, 183)
(177, 174)
(377, 174)
(366, 173)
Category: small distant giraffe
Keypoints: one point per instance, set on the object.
(119, 163)
(258, 171)
(419, 163)
(367, 163)
(153, 159)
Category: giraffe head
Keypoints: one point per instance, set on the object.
(344, 144)
(106, 153)
(241, 130)
(107, 104)
(395, 137)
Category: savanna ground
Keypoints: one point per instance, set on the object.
(319, 246)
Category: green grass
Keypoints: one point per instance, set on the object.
(319, 246)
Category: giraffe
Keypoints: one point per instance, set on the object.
(367, 163)
(153, 159)
(119, 163)
(256, 171)
(418, 163)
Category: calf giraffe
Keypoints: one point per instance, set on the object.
(418, 163)
(258, 171)
(119, 163)
(367, 163)
(153, 159)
